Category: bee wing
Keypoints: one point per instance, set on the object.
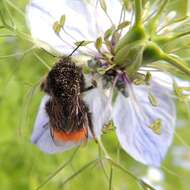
(41, 135)
(98, 114)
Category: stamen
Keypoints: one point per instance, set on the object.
(58, 27)
(122, 14)
(156, 126)
(152, 99)
(104, 7)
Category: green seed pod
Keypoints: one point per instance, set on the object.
(152, 53)
(129, 52)
(135, 62)
(135, 34)
(130, 57)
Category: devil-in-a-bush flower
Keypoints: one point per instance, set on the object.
(127, 76)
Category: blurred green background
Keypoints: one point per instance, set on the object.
(24, 167)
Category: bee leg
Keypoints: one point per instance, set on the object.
(86, 139)
(94, 85)
(88, 88)
(51, 133)
(44, 85)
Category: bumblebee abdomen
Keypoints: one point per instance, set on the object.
(76, 136)
(69, 116)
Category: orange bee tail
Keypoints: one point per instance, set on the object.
(75, 136)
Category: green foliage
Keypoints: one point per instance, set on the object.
(23, 166)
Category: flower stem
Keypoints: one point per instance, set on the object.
(21, 12)
(166, 39)
(138, 12)
(180, 35)
(177, 63)
(111, 178)
(86, 166)
(117, 165)
(51, 176)
(160, 10)
(101, 146)
(112, 162)
(122, 168)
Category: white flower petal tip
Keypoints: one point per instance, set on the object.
(42, 15)
(41, 135)
(145, 131)
(168, 81)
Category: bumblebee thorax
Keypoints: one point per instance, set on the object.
(65, 79)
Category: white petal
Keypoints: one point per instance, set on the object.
(168, 81)
(133, 118)
(99, 107)
(41, 133)
(84, 21)
(41, 121)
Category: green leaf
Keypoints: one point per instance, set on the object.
(62, 20)
(98, 43)
(103, 5)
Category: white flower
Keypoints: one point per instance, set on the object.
(181, 157)
(145, 131)
(154, 177)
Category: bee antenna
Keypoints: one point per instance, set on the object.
(80, 44)
(68, 57)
